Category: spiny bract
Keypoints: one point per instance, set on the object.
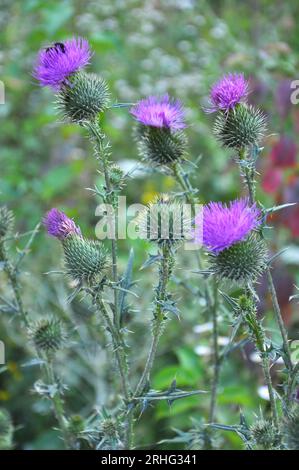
(160, 146)
(47, 335)
(86, 260)
(242, 262)
(85, 97)
(242, 126)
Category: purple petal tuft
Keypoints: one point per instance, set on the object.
(160, 112)
(57, 63)
(59, 225)
(224, 225)
(230, 90)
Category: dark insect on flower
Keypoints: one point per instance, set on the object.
(56, 45)
(56, 64)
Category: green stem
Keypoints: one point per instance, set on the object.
(279, 320)
(11, 273)
(266, 370)
(119, 349)
(99, 137)
(217, 361)
(159, 318)
(58, 406)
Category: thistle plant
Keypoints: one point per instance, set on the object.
(235, 255)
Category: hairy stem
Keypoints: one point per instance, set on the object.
(159, 317)
(58, 406)
(119, 348)
(279, 320)
(266, 370)
(216, 358)
(98, 137)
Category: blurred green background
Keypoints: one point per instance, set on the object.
(141, 48)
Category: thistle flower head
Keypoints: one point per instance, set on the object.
(55, 64)
(161, 112)
(230, 90)
(59, 225)
(224, 225)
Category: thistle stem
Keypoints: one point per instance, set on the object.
(119, 348)
(99, 137)
(266, 370)
(216, 361)
(58, 406)
(159, 318)
(11, 273)
(279, 320)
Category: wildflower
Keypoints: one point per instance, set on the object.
(59, 225)
(85, 260)
(224, 225)
(159, 133)
(57, 63)
(230, 90)
(160, 112)
(236, 253)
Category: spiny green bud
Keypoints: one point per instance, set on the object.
(242, 262)
(241, 126)
(6, 221)
(109, 428)
(165, 221)
(86, 260)
(6, 430)
(160, 145)
(264, 435)
(47, 335)
(84, 98)
(116, 176)
(246, 304)
(291, 429)
(76, 425)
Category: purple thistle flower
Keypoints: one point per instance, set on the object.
(224, 225)
(160, 112)
(59, 225)
(230, 90)
(57, 63)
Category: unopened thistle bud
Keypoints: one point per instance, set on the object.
(76, 425)
(236, 252)
(6, 430)
(6, 221)
(85, 260)
(83, 98)
(165, 221)
(47, 336)
(159, 132)
(116, 177)
(264, 435)
(291, 429)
